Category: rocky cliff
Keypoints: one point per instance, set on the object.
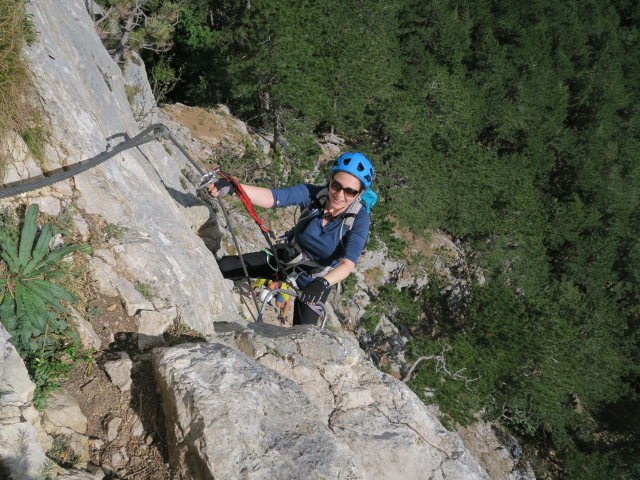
(251, 400)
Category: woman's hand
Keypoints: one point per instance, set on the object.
(220, 187)
(313, 292)
(259, 196)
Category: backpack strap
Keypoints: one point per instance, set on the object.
(349, 219)
(316, 204)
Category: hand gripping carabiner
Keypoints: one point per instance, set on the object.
(207, 179)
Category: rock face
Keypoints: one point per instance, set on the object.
(20, 450)
(297, 403)
(142, 189)
(499, 453)
(281, 434)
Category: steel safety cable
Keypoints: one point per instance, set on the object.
(153, 132)
(149, 134)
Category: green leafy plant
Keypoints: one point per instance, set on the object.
(30, 300)
(93, 312)
(113, 231)
(47, 371)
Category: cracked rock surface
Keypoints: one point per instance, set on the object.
(297, 403)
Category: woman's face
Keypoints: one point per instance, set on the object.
(344, 188)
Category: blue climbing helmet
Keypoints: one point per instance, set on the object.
(357, 165)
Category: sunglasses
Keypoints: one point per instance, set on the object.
(337, 186)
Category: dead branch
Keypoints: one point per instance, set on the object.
(441, 367)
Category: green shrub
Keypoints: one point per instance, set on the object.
(383, 233)
(163, 78)
(30, 301)
(371, 317)
(62, 453)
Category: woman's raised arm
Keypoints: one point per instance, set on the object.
(259, 196)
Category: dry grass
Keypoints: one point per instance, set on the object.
(15, 31)
(16, 112)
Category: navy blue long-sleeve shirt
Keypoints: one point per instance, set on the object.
(323, 243)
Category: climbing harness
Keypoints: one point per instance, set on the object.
(209, 178)
(297, 262)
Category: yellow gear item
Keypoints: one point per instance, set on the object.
(261, 281)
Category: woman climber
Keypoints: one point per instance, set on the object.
(324, 246)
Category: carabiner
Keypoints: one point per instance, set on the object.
(207, 178)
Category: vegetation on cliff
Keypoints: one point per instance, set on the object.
(18, 113)
(511, 126)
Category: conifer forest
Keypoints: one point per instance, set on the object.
(513, 127)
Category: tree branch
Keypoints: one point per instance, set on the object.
(441, 366)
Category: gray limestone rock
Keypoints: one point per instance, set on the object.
(92, 473)
(142, 188)
(22, 165)
(119, 371)
(151, 326)
(104, 276)
(63, 414)
(34, 417)
(233, 418)
(387, 430)
(112, 427)
(49, 205)
(16, 388)
(88, 336)
(139, 94)
(500, 460)
(20, 448)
